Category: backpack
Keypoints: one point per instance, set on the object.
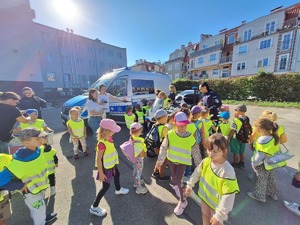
(127, 149)
(245, 130)
(152, 141)
(198, 134)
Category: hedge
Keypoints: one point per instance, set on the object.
(263, 86)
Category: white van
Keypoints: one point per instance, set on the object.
(134, 85)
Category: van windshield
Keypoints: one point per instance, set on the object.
(100, 81)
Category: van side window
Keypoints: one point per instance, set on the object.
(118, 87)
(142, 87)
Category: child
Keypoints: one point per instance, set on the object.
(170, 121)
(224, 125)
(140, 151)
(172, 94)
(139, 114)
(266, 145)
(177, 147)
(161, 117)
(237, 147)
(162, 95)
(107, 163)
(35, 122)
(52, 162)
(77, 131)
(129, 116)
(216, 178)
(145, 109)
(28, 173)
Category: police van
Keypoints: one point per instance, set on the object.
(133, 85)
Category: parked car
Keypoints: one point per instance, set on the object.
(190, 97)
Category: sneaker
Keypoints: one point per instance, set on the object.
(164, 178)
(293, 207)
(176, 189)
(76, 156)
(122, 191)
(141, 190)
(155, 174)
(252, 195)
(52, 190)
(86, 153)
(50, 217)
(142, 183)
(180, 207)
(97, 211)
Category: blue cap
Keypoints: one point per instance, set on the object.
(224, 115)
(29, 111)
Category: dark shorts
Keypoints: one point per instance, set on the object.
(5, 208)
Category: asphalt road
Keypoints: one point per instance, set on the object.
(77, 187)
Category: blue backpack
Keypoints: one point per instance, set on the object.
(198, 134)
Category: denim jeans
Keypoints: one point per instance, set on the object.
(94, 123)
(4, 147)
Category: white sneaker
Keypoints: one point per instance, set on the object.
(122, 191)
(97, 211)
(180, 207)
(141, 190)
(293, 207)
(142, 183)
(52, 190)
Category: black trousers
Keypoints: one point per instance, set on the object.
(52, 179)
(105, 187)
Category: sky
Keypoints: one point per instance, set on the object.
(150, 30)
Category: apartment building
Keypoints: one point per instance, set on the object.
(143, 65)
(53, 62)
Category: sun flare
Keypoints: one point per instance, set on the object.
(65, 8)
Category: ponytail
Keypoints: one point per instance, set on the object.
(275, 134)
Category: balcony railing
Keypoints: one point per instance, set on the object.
(206, 50)
(225, 59)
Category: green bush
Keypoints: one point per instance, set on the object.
(263, 86)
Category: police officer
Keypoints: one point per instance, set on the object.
(210, 100)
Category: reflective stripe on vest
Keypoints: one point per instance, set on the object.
(270, 149)
(212, 187)
(110, 156)
(140, 117)
(129, 120)
(77, 127)
(38, 124)
(49, 158)
(180, 148)
(225, 128)
(33, 172)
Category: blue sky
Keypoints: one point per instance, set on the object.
(151, 30)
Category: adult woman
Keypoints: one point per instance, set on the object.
(172, 94)
(9, 115)
(30, 101)
(95, 111)
(103, 99)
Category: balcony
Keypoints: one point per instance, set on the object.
(226, 59)
(206, 51)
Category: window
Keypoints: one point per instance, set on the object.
(217, 42)
(142, 87)
(65, 60)
(204, 46)
(286, 42)
(44, 36)
(92, 63)
(212, 57)
(200, 60)
(79, 61)
(270, 27)
(110, 53)
(84, 78)
(265, 44)
(67, 77)
(177, 75)
(215, 72)
(226, 72)
(51, 77)
(243, 49)
(101, 65)
(90, 49)
(169, 67)
(100, 50)
(119, 86)
(192, 64)
(48, 57)
(263, 62)
(179, 54)
(177, 66)
(247, 34)
(283, 61)
(241, 66)
(230, 39)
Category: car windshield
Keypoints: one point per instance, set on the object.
(96, 85)
(187, 92)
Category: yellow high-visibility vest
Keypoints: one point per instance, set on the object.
(225, 128)
(212, 187)
(110, 156)
(180, 148)
(77, 127)
(49, 158)
(129, 120)
(38, 124)
(4, 161)
(140, 117)
(33, 172)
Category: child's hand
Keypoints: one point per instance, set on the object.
(102, 177)
(158, 165)
(214, 221)
(188, 192)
